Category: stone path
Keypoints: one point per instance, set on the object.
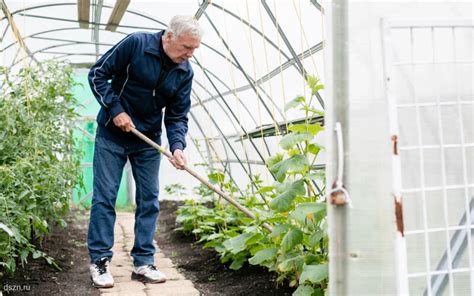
(121, 267)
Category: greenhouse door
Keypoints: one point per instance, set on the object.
(429, 81)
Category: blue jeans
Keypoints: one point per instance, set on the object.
(109, 160)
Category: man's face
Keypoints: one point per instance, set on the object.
(181, 48)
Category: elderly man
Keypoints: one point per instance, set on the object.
(133, 82)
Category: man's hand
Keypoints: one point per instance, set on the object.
(179, 159)
(124, 122)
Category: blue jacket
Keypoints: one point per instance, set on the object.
(125, 79)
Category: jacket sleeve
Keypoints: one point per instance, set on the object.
(114, 61)
(176, 116)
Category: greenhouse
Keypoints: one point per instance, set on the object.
(236, 147)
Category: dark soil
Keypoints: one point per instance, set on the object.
(68, 247)
(203, 268)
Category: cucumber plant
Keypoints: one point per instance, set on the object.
(297, 248)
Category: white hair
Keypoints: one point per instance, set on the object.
(184, 24)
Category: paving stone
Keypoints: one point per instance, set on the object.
(121, 267)
(159, 255)
(131, 287)
(175, 288)
(163, 263)
(121, 271)
(172, 274)
(173, 292)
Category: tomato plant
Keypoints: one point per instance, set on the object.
(39, 163)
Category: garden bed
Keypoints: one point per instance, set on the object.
(203, 268)
(68, 247)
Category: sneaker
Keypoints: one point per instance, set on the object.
(148, 274)
(100, 275)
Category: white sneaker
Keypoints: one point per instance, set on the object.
(148, 274)
(100, 275)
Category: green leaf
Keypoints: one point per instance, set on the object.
(216, 178)
(312, 110)
(238, 263)
(314, 149)
(237, 243)
(314, 83)
(6, 229)
(265, 189)
(314, 273)
(279, 230)
(291, 239)
(306, 211)
(290, 140)
(319, 175)
(284, 201)
(263, 255)
(313, 128)
(294, 103)
(271, 161)
(24, 255)
(301, 127)
(315, 238)
(37, 254)
(303, 290)
(291, 264)
(294, 164)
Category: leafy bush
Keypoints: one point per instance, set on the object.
(297, 248)
(39, 165)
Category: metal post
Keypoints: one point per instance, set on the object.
(338, 85)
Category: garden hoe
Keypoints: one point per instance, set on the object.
(201, 179)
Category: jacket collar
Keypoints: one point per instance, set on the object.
(154, 49)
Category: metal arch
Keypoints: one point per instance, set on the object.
(69, 40)
(222, 133)
(272, 73)
(249, 175)
(15, 30)
(249, 79)
(132, 11)
(49, 31)
(235, 117)
(252, 27)
(208, 144)
(231, 91)
(290, 48)
(202, 8)
(225, 112)
(73, 21)
(45, 48)
(317, 5)
(225, 149)
(285, 39)
(232, 122)
(145, 16)
(218, 96)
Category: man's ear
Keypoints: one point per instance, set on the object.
(169, 36)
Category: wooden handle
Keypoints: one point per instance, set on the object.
(201, 179)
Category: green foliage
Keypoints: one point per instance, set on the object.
(297, 247)
(175, 189)
(39, 164)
